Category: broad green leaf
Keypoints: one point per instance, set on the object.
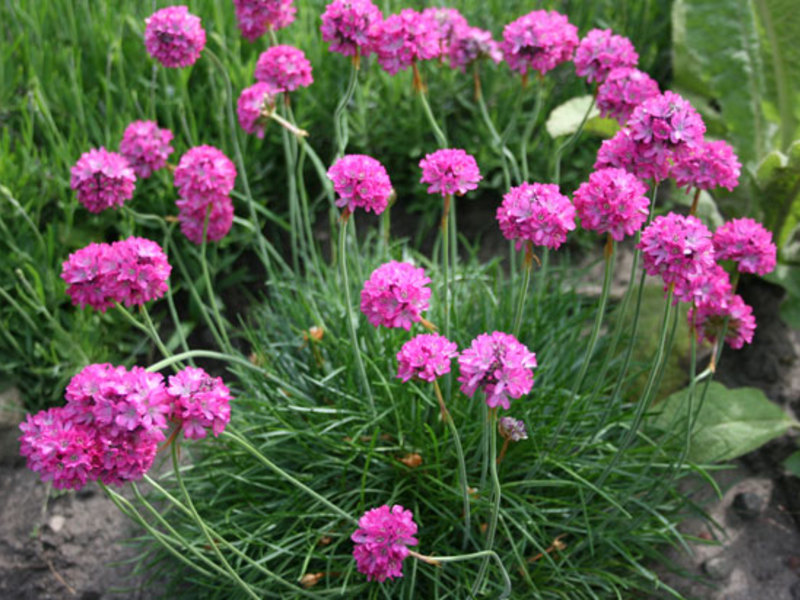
(567, 118)
(778, 179)
(731, 422)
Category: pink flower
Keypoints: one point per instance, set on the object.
(192, 218)
(499, 365)
(256, 17)
(395, 295)
(204, 173)
(612, 202)
(623, 152)
(447, 21)
(90, 276)
(538, 41)
(709, 285)
(676, 248)
(360, 181)
(600, 52)
(346, 24)
(102, 179)
(404, 38)
(253, 103)
(284, 68)
(709, 317)
(146, 147)
(666, 121)
(381, 541)
(536, 213)
(748, 243)
(426, 356)
(706, 166)
(512, 429)
(469, 44)
(623, 90)
(199, 402)
(450, 172)
(174, 36)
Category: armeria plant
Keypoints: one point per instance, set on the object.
(303, 483)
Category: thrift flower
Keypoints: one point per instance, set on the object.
(499, 365)
(623, 152)
(538, 41)
(254, 103)
(381, 541)
(748, 243)
(90, 276)
(284, 68)
(469, 44)
(623, 90)
(200, 402)
(174, 36)
(512, 429)
(146, 147)
(447, 21)
(666, 122)
(395, 295)
(706, 166)
(450, 172)
(600, 52)
(708, 319)
(346, 24)
(676, 247)
(426, 356)
(360, 181)
(536, 213)
(102, 179)
(192, 218)
(204, 173)
(401, 39)
(255, 17)
(612, 202)
(710, 285)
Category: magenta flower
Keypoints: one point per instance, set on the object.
(748, 243)
(499, 365)
(512, 429)
(284, 68)
(676, 248)
(90, 276)
(255, 17)
(622, 152)
(200, 402)
(600, 52)
(395, 295)
(538, 41)
(192, 218)
(426, 356)
(450, 172)
(706, 166)
(360, 181)
(174, 36)
(204, 173)
(612, 202)
(447, 21)
(708, 319)
(666, 122)
(709, 285)
(346, 24)
(381, 541)
(623, 90)
(146, 147)
(404, 38)
(102, 179)
(254, 104)
(469, 44)
(536, 213)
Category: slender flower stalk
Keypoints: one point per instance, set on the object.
(485, 554)
(530, 124)
(527, 267)
(209, 288)
(569, 141)
(491, 423)
(441, 138)
(446, 262)
(341, 131)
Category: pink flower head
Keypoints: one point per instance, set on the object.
(706, 166)
(623, 152)
(192, 218)
(255, 17)
(381, 541)
(709, 285)
(102, 179)
(666, 121)
(612, 202)
(600, 52)
(538, 41)
(709, 317)
(395, 295)
(676, 248)
(254, 103)
(204, 173)
(404, 38)
(426, 356)
(90, 276)
(499, 365)
(284, 68)
(360, 181)
(448, 21)
(199, 402)
(512, 429)
(450, 172)
(748, 243)
(623, 90)
(346, 24)
(174, 36)
(536, 213)
(469, 44)
(146, 147)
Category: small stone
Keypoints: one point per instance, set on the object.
(56, 523)
(748, 505)
(718, 567)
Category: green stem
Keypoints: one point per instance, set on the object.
(446, 263)
(526, 282)
(569, 141)
(148, 327)
(294, 202)
(506, 156)
(340, 126)
(496, 493)
(485, 554)
(529, 127)
(207, 276)
(153, 331)
(441, 138)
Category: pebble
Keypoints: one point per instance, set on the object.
(56, 523)
(748, 505)
(718, 568)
